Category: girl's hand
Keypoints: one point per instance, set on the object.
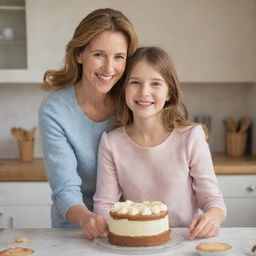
(93, 226)
(206, 225)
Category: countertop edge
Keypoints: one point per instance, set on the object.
(12, 170)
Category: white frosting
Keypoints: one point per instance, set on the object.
(125, 227)
(144, 208)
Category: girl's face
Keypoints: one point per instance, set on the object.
(104, 60)
(146, 91)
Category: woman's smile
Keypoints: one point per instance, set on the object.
(105, 78)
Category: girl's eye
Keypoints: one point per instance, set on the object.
(134, 82)
(156, 84)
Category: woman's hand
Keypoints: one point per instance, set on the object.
(206, 225)
(93, 225)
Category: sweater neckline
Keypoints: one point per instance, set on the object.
(80, 111)
(148, 148)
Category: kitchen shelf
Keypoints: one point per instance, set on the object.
(12, 42)
(12, 8)
(13, 53)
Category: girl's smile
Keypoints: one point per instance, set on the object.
(144, 103)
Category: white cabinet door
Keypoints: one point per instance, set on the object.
(25, 216)
(239, 193)
(241, 212)
(25, 204)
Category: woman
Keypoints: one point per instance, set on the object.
(73, 118)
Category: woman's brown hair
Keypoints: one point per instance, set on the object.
(174, 112)
(92, 25)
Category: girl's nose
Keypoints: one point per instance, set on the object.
(144, 90)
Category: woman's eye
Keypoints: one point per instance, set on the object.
(120, 57)
(98, 54)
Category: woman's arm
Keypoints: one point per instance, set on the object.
(92, 225)
(61, 165)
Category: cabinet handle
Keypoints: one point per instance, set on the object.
(12, 221)
(250, 188)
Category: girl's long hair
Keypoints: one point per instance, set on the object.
(175, 112)
(92, 25)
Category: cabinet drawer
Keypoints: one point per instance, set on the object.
(24, 193)
(237, 185)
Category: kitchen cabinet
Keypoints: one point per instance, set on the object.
(25, 205)
(12, 35)
(239, 193)
(210, 41)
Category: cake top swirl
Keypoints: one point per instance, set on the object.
(145, 208)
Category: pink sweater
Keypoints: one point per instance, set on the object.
(179, 172)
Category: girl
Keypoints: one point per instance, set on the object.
(157, 154)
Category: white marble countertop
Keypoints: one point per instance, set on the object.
(70, 242)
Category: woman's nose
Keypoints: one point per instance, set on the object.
(108, 65)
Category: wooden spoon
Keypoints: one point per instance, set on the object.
(245, 123)
(16, 133)
(230, 124)
(33, 132)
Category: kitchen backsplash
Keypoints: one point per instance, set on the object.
(19, 106)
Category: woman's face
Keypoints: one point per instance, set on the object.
(104, 61)
(146, 91)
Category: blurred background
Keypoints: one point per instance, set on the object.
(212, 44)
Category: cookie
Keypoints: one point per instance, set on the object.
(21, 239)
(18, 251)
(213, 247)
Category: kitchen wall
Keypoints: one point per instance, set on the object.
(212, 43)
(19, 105)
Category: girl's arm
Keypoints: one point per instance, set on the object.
(206, 187)
(206, 225)
(107, 188)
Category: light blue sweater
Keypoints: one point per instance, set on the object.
(70, 143)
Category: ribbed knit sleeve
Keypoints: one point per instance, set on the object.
(204, 183)
(60, 160)
(107, 189)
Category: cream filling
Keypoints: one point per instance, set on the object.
(125, 227)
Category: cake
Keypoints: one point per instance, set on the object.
(138, 224)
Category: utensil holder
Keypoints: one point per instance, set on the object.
(235, 143)
(26, 150)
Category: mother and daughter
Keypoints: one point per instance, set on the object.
(129, 101)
